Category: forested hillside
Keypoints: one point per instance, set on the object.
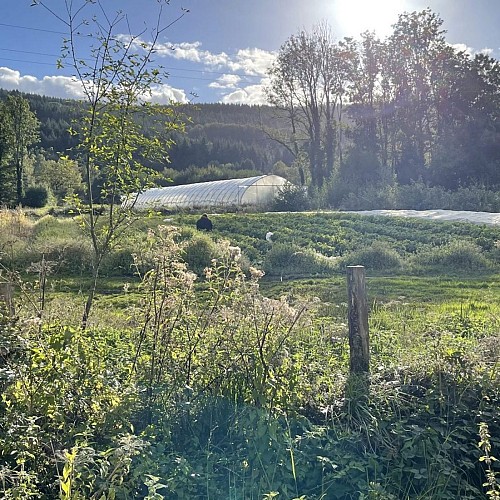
(236, 137)
(219, 134)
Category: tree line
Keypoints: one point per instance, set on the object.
(406, 108)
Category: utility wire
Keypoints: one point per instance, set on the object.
(33, 29)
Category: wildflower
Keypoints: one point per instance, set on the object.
(255, 273)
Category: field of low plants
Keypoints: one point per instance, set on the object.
(216, 365)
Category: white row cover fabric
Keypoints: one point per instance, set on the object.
(232, 192)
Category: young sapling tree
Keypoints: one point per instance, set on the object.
(121, 131)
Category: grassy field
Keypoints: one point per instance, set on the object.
(233, 385)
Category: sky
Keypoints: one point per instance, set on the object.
(220, 50)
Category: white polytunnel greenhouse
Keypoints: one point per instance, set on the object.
(258, 190)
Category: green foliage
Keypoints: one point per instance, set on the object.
(456, 255)
(120, 130)
(62, 177)
(119, 262)
(15, 230)
(18, 132)
(416, 196)
(199, 251)
(291, 260)
(377, 257)
(492, 483)
(35, 197)
(66, 385)
(291, 198)
(182, 387)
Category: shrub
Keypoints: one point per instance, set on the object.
(291, 198)
(293, 260)
(370, 198)
(15, 231)
(65, 255)
(36, 197)
(199, 252)
(414, 196)
(14, 223)
(455, 255)
(476, 198)
(119, 262)
(379, 256)
(418, 196)
(48, 227)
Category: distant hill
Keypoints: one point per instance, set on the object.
(218, 134)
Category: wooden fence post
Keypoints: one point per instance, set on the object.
(6, 293)
(359, 344)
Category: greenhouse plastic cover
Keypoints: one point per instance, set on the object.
(257, 190)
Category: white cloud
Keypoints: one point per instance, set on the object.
(252, 61)
(252, 95)
(55, 86)
(225, 82)
(66, 87)
(186, 51)
(461, 47)
(164, 94)
(216, 60)
(487, 51)
(191, 51)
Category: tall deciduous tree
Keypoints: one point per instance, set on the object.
(7, 177)
(20, 131)
(25, 132)
(309, 82)
(121, 131)
(415, 45)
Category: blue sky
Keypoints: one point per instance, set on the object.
(220, 50)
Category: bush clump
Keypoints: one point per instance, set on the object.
(199, 251)
(455, 255)
(119, 262)
(291, 198)
(292, 260)
(378, 257)
(36, 197)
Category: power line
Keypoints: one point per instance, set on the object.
(27, 62)
(30, 52)
(169, 74)
(33, 29)
(246, 77)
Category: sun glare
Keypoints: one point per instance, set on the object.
(352, 17)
